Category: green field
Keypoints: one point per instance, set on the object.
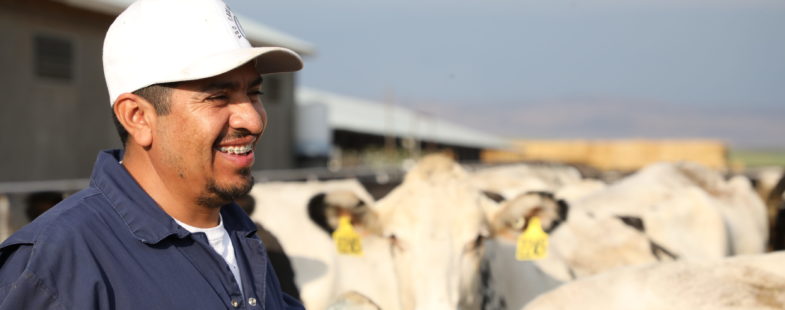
(756, 158)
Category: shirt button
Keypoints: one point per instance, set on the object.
(235, 303)
(252, 301)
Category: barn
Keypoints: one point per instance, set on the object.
(56, 113)
(331, 127)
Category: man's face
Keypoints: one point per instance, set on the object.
(205, 145)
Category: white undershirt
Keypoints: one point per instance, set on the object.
(221, 243)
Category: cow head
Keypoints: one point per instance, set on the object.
(435, 223)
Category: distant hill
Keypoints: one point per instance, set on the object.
(758, 157)
(742, 127)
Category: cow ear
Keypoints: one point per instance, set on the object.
(514, 215)
(325, 209)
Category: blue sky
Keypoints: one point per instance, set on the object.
(555, 69)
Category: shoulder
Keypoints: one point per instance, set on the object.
(56, 248)
(64, 233)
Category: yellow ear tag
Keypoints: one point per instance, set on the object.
(347, 241)
(533, 242)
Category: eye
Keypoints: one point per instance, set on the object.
(256, 96)
(219, 97)
(475, 244)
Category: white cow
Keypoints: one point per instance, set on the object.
(513, 180)
(353, 301)
(688, 209)
(737, 283)
(321, 274)
(408, 260)
(766, 179)
(451, 247)
(581, 246)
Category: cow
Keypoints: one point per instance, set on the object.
(320, 274)
(689, 209)
(438, 242)
(767, 182)
(511, 180)
(741, 282)
(352, 300)
(431, 229)
(581, 244)
(775, 203)
(444, 245)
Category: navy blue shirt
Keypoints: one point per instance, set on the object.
(111, 246)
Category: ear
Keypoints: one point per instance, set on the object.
(137, 116)
(325, 209)
(514, 215)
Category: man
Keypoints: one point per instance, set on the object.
(157, 228)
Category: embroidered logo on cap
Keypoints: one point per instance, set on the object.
(235, 23)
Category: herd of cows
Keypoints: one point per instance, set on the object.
(670, 236)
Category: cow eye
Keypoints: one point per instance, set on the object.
(476, 243)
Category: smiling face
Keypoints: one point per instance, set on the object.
(205, 146)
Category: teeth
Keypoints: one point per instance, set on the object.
(236, 149)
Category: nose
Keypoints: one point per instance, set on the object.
(249, 116)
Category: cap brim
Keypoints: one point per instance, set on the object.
(268, 60)
(278, 59)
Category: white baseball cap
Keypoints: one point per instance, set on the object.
(162, 41)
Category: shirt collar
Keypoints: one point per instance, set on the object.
(144, 218)
(235, 219)
(239, 222)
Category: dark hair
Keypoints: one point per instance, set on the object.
(158, 95)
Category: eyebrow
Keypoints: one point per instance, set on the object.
(229, 85)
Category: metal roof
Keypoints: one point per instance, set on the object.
(383, 119)
(257, 33)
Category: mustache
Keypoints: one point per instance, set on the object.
(235, 134)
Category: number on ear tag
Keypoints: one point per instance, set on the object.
(347, 241)
(533, 242)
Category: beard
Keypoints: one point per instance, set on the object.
(218, 195)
